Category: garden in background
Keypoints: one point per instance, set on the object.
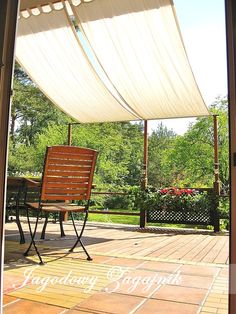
(177, 164)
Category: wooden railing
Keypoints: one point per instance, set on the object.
(15, 197)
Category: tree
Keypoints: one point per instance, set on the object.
(159, 169)
(192, 156)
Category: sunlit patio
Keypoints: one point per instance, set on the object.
(133, 270)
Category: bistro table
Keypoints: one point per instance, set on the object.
(15, 201)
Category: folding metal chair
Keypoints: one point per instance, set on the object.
(67, 178)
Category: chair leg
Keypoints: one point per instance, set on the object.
(89, 258)
(32, 234)
(44, 227)
(80, 235)
(61, 225)
(22, 237)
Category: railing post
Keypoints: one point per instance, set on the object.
(145, 156)
(143, 213)
(216, 156)
(216, 184)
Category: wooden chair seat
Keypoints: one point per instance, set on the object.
(59, 207)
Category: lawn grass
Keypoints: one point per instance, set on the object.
(119, 219)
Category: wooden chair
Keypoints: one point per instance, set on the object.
(67, 178)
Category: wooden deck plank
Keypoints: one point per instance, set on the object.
(180, 254)
(200, 256)
(223, 255)
(215, 250)
(177, 251)
(171, 247)
(197, 248)
(139, 245)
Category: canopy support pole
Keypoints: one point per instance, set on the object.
(216, 185)
(69, 137)
(216, 156)
(143, 213)
(145, 155)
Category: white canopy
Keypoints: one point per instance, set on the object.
(48, 50)
(141, 55)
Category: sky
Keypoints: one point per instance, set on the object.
(202, 24)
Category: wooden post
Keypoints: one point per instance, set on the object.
(216, 156)
(8, 20)
(145, 156)
(69, 141)
(143, 213)
(217, 178)
(64, 216)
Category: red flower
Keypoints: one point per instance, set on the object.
(175, 191)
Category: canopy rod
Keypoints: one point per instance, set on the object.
(69, 132)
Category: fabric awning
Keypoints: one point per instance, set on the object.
(49, 51)
(139, 50)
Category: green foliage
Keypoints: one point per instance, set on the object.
(119, 146)
(224, 208)
(21, 159)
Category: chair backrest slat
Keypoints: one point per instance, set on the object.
(68, 173)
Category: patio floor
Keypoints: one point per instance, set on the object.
(133, 271)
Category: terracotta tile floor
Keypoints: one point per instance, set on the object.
(133, 271)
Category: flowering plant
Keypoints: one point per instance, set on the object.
(174, 199)
(176, 191)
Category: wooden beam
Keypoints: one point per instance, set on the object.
(230, 6)
(8, 19)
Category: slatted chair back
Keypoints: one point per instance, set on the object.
(68, 173)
